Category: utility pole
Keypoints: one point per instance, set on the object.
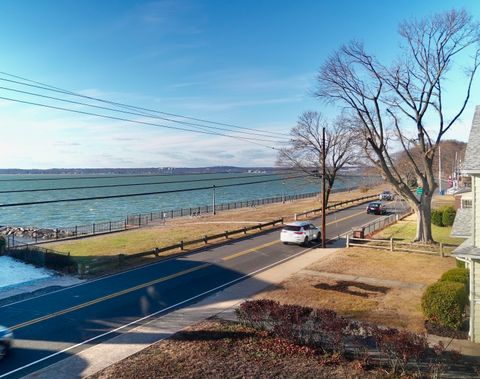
(213, 201)
(324, 199)
(439, 169)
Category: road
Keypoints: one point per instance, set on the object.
(53, 326)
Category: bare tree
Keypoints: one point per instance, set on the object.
(403, 107)
(304, 151)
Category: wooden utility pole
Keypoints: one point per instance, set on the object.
(323, 190)
(214, 205)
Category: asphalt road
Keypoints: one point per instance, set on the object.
(53, 326)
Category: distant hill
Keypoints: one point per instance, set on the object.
(158, 170)
(143, 170)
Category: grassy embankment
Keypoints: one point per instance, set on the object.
(404, 230)
(159, 235)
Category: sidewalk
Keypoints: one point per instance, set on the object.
(96, 358)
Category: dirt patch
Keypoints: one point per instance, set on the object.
(222, 349)
(390, 304)
(353, 288)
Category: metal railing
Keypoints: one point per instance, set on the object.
(336, 205)
(143, 219)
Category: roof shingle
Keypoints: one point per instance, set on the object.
(472, 155)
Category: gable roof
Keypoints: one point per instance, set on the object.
(472, 155)
(462, 225)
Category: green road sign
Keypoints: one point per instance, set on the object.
(419, 191)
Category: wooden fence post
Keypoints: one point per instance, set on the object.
(391, 243)
(441, 250)
(295, 217)
(205, 239)
(181, 245)
(348, 240)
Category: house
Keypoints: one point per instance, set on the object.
(467, 224)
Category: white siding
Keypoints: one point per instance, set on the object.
(476, 209)
(475, 301)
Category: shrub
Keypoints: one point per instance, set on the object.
(460, 264)
(457, 275)
(437, 216)
(400, 347)
(448, 216)
(444, 303)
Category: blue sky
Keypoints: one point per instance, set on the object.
(250, 63)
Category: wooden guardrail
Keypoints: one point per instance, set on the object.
(205, 239)
(334, 206)
(392, 245)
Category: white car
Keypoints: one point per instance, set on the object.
(387, 195)
(300, 232)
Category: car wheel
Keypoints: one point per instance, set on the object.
(318, 239)
(285, 243)
(305, 241)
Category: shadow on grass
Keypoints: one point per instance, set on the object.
(346, 287)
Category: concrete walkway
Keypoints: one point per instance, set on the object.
(96, 358)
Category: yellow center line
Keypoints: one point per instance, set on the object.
(111, 296)
(156, 281)
(255, 249)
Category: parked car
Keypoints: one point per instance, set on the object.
(6, 338)
(376, 208)
(387, 196)
(300, 232)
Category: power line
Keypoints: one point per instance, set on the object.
(48, 87)
(131, 184)
(122, 176)
(247, 139)
(135, 113)
(143, 193)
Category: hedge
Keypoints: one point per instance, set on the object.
(457, 275)
(448, 216)
(444, 303)
(437, 215)
(460, 264)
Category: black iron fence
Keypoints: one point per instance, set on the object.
(38, 236)
(42, 257)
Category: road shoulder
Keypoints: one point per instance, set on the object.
(96, 358)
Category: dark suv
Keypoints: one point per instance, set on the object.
(376, 208)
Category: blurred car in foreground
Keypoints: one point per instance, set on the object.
(376, 208)
(300, 232)
(6, 338)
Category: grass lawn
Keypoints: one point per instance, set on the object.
(159, 235)
(387, 303)
(405, 230)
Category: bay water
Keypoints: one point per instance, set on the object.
(66, 214)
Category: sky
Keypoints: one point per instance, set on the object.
(250, 63)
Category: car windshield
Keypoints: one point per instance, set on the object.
(292, 228)
(374, 205)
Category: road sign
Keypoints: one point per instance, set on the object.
(419, 191)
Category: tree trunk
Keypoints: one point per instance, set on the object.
(424, 220)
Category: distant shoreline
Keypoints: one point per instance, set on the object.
(151, 170)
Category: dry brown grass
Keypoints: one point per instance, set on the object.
(405, 267)
(386, 304)
(160, 235)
